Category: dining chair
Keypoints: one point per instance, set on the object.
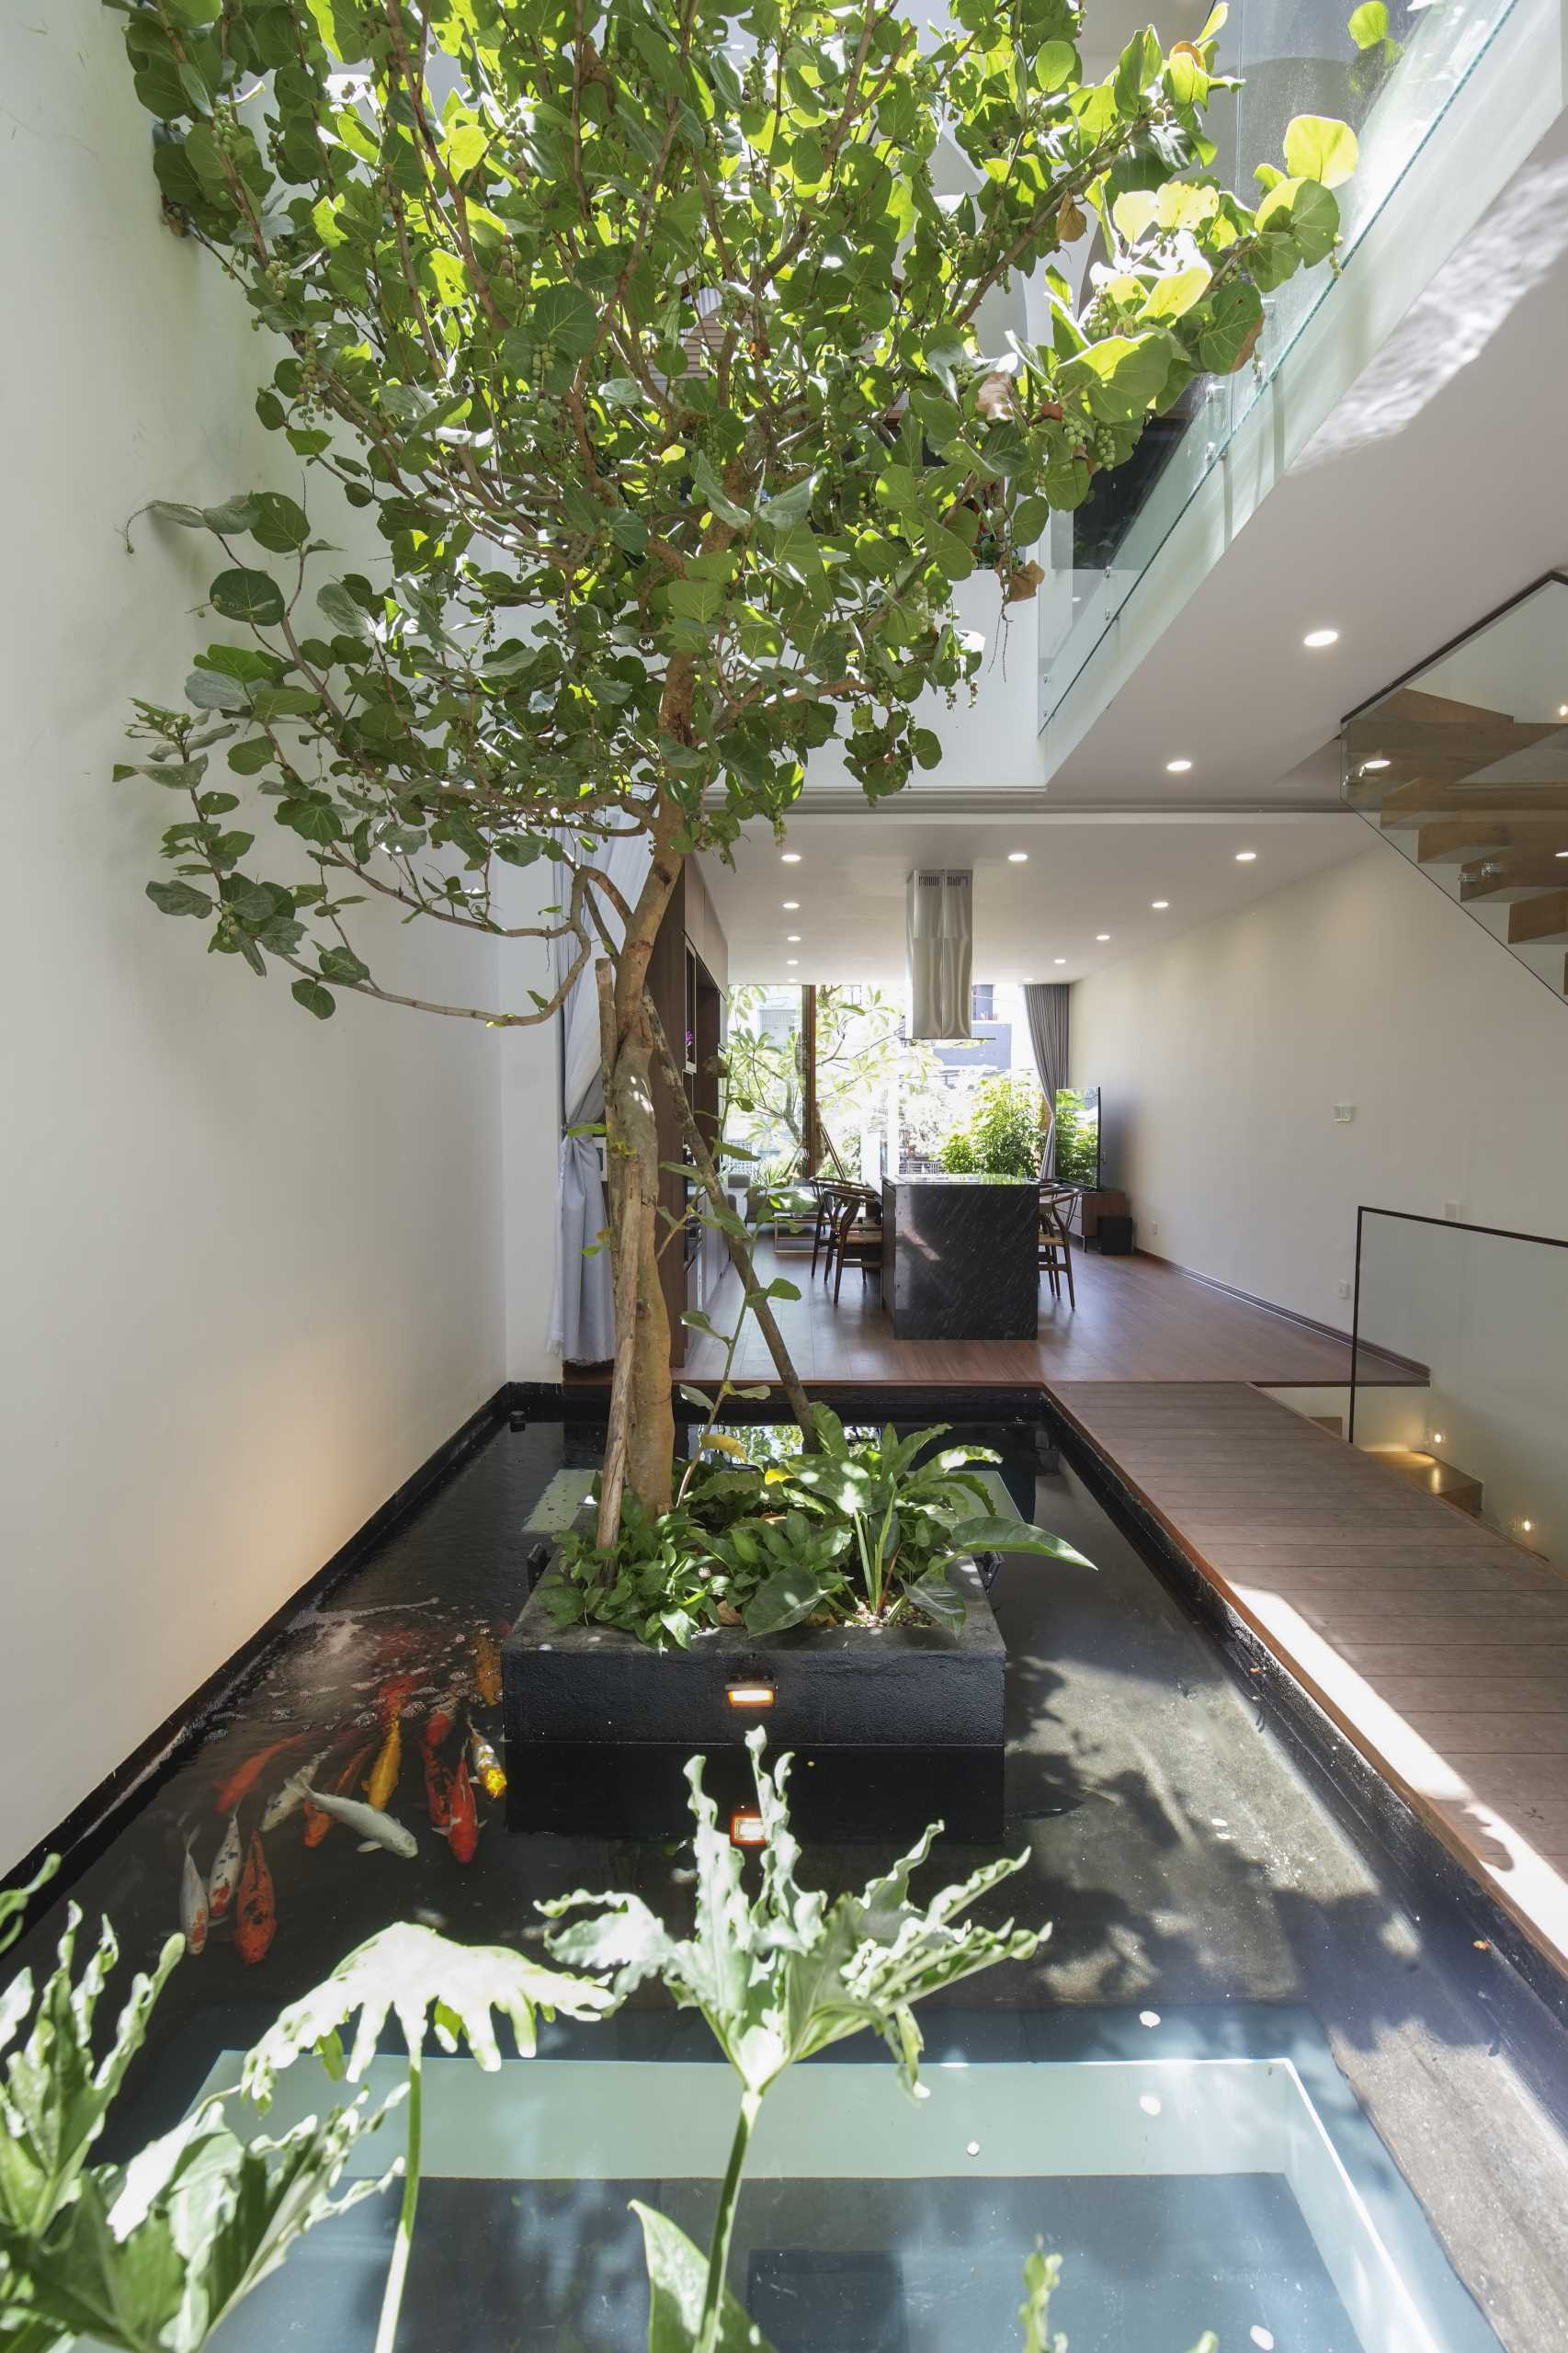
(858, 1237)
(1055, 1242)
(826, 1192)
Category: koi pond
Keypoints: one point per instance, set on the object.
(1241, 2087)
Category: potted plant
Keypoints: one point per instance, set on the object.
(652, 362)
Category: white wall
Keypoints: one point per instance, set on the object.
(1220, 1058)
(251, 1262)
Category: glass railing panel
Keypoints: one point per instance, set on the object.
(1479, 1319)
(1296, 57)
(1463, 768)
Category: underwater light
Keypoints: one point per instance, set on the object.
(749, 1695)
(747, 1829)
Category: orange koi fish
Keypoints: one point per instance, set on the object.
(486, 1765)
(244, 1779)
(439, 1722)
(437, 1792)
(193, 1911)
(225, 1871)
(487, 1671)
(255, 1915)
(463, 1830)
(381, 1778)
(318, 1822)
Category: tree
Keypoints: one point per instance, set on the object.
(644, 335)
(860, 1047)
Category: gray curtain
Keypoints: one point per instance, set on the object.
(941, 947)
(1046, 1005)
(582, 1317)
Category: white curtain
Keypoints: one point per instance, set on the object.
(581, 1318)
(941, 950)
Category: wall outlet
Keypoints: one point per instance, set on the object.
(1344, 1290)
(1453, 1209)
(1344, 1113)
(1154, 1228)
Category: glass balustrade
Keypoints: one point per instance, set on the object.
(1464, 766)
(1296, 57)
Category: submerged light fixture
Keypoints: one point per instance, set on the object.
(747, 1828)
(750, 1695)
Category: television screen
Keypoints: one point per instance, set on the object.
(1077, 1138)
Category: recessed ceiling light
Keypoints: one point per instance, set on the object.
(1367, 766)
(1058, 959)
(1102, 934)
(1178, 768)
(790, 906)
(791, 960)
(1017, 858)
(1245, 856)
(793, 938)
(1157, 904)
(1316, 636)
(790, 858)
(1562, 853)
(1563, 710)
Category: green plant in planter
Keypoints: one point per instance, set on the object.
(777, 1978)
(905, 1521)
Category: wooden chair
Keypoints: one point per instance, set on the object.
(857, 1239)
(826, 1193)
(1055, 1242)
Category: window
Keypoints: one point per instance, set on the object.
(980, 994)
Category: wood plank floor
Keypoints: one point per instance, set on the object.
(1137, 1319)
(1441, 1648)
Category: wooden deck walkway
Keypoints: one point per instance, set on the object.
(1439, 1648)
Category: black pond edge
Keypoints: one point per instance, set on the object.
(866, 1400)
(93, 1824)
(1527, 1995)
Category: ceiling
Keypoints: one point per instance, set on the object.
(1085, 874)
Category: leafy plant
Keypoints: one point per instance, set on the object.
(423, 1979)
(861, 1531)
(1077, 1140)
(152, 2256)
(648, 351)
(1042, 2275)
(777, 1977)
(1005, 1132)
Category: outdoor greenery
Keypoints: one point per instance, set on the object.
(860, 1049)
(1005, 1135)
(861, 1532)
(676, 393)
(1077, 1140)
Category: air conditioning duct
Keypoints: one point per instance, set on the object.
(941, 952)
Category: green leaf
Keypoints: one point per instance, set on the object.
(786, 1597)
(1170, 297)
(1230, 327)
(341, 964)
(1120, 376)
(253, 597)
(677, 2274)
(211, 690)
(1368, 24)
(344, 611)
(706, 477)
(313, 821)
(1319, 147)
(788, 507)
(280, 525)
(990, 1532)
(408, 1971)
(179, 899)
(934, 1597)
(315, 998)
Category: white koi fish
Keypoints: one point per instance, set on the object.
(292, 1796)
(193, 1914)
(225, 1871)
(375, 1828)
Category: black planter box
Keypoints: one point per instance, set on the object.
(890, 1729)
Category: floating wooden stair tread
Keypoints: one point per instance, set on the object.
(1433, 1476)
(1455, 841)
(1512, 874)
(1544, 919)
(1415, 804)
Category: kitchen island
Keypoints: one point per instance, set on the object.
(960, 1258)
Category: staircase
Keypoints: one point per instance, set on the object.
(1472, 786)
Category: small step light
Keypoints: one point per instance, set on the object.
(747, 1829)
(749, 1695)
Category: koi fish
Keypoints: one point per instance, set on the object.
(438, 1723)
(382, 1780)
(486, 1766)
(487, 1671)
(437, 1792)
(244, 1779)
(375, 1828)
(463, 1830)
(256, 1917)
(193, 1911)
(225, 1871)
(292, 1796)
(318, 1824)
